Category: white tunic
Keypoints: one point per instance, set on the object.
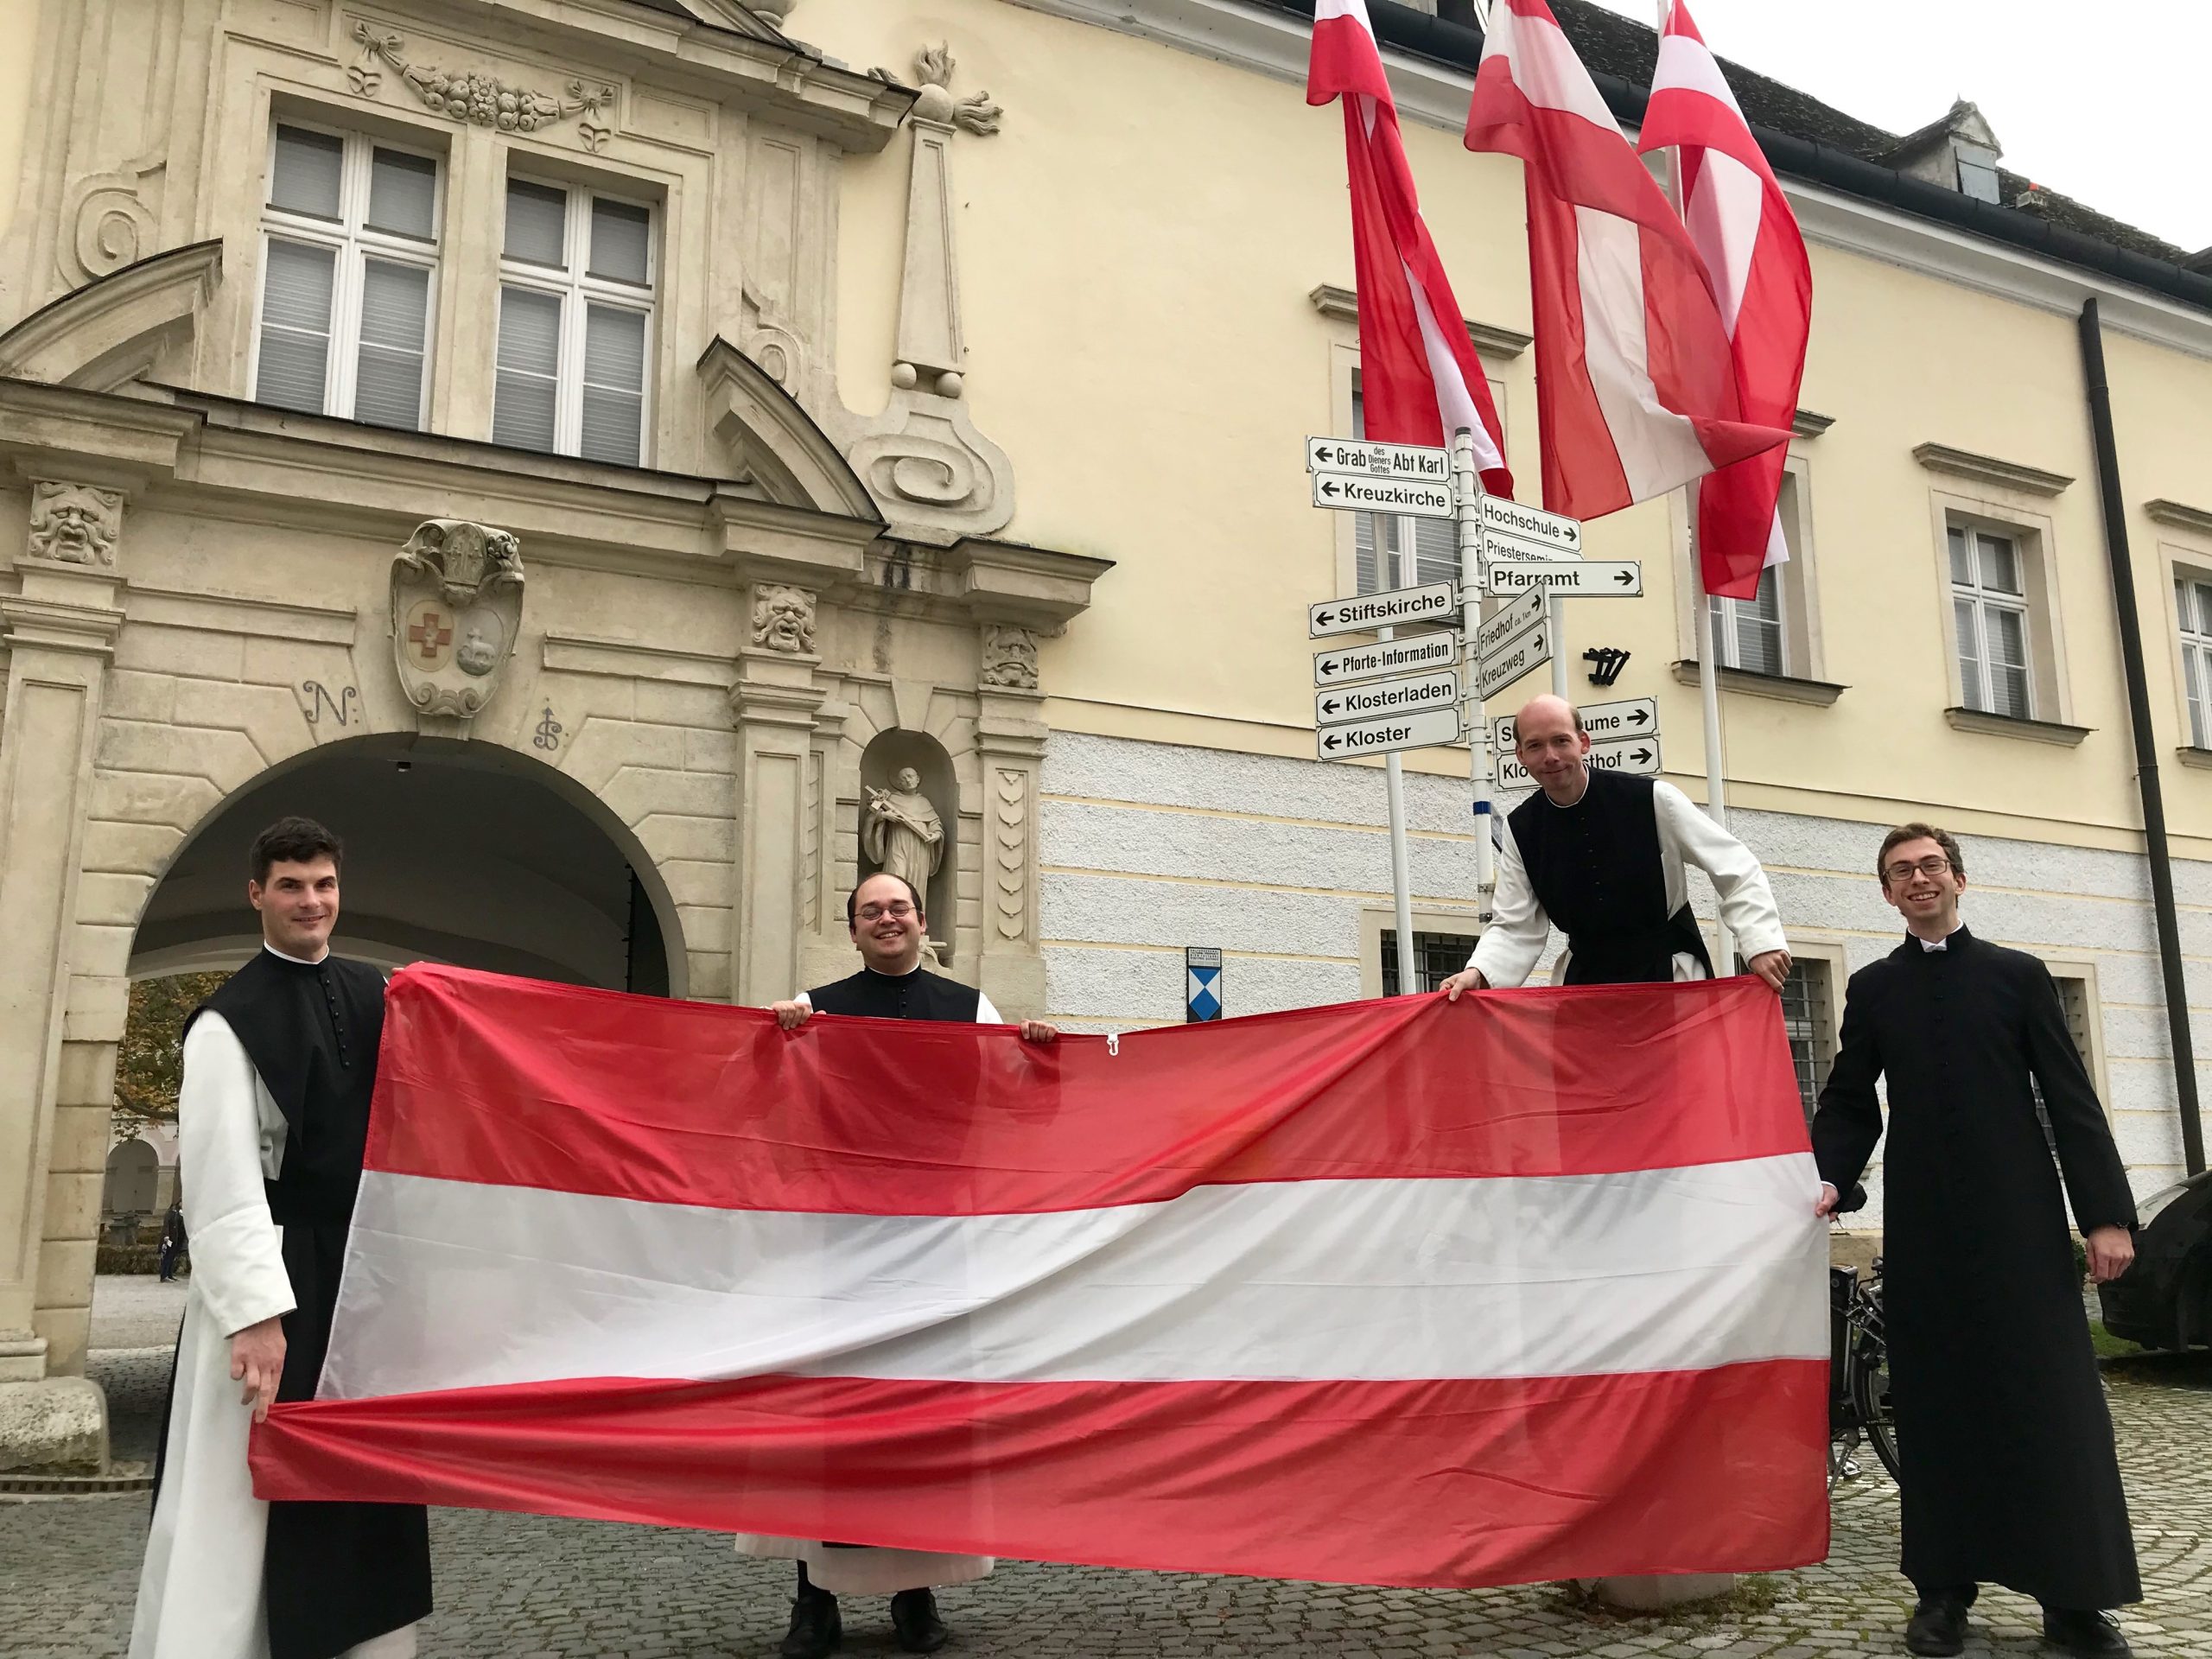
(1516, 937)
(869, 1572)
(200, 1588)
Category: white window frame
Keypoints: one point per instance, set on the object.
(1982, 602)
(578, 290)
(2195, 645)
(1376, 920)
(2007, 513)
(1797, 593)
(354, 242)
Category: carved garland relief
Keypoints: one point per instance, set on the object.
(481, 100)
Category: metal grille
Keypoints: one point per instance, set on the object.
(1437, 956)
(1806, 1017)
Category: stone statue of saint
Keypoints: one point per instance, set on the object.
(901, 830)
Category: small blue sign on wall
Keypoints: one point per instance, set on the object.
(1202, 974)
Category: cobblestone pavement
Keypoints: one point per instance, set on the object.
(526, 1587)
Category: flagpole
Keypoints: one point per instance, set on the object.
(1466, 515)
(1706, 628)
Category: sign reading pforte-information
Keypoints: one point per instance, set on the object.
(1350, 663)
(1433, 601)
(1409, 695)
(1391, 731)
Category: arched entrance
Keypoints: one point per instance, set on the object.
(457, 852)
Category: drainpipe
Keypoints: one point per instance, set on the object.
(2146, 753)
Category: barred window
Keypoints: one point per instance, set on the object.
(1437, 956)
(1810, 1024)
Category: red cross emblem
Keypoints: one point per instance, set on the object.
(433, 634)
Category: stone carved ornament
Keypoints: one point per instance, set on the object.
(481, 100)
(456, 613)
(1010, 658)
(75, 523)
(783, 619)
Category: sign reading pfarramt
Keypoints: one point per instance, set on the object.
(1027, 1325)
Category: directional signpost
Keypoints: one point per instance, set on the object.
(1387, 734)
(1639, 754)
(1433, 602)
(1509, 625)
(1409, 695)
(1350, 492)
(1499, 669)
(1629, 717)
(1379, 459)
(1564, 579)
(1352, 663)
(1554, 532)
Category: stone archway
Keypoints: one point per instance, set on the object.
(461, 852)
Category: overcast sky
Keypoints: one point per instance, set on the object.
(2101, 99)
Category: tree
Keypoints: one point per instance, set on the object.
(150, 1063)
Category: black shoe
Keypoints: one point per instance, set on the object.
(1938, 1627)
(2092, 1635)
(816, 1627)
(913, 1615)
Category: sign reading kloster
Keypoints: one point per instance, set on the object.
(1406, 697)
(1378, 460)
(1564, 578)
(1388, 733)
(1349, 494)
(1630, 718)
(1497, 672)
(1352, 663)
(1637, 754)
(1509, 624)
(1433, 602)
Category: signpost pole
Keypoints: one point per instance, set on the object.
(1394, 776)
(1466, 494)
(1555, 613)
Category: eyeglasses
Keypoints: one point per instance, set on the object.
(898, 910)
(1933, 864)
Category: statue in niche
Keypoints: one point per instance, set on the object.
(901, 831)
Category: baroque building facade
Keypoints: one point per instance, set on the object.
(582, 449)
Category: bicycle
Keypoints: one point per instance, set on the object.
(1858, 1374)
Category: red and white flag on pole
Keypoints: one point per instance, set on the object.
(1420, 378)
(1524, 1288)
(1635, 385)
(1753, 252)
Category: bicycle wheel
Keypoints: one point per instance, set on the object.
(1870, 1395)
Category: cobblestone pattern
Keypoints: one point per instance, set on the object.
(534, 1588)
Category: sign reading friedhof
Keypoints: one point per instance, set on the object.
(1637, 755)
(1563, 579)
(1349, 494)
(1409, 695)
(1378, 460)
(1509, 625)
(1630, 718)
(1386, 732)
(1497, 672)
(1533, 525)
(1433, 602)
(1417, 650)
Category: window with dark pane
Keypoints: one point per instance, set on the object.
(1809, 1025)
(2193, 605)
(1437, 956)
(1989, 615)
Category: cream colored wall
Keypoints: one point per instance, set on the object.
(19, 20)
(1137, 246)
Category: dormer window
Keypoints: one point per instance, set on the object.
(1977, 170)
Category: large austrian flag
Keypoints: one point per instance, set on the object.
(1525, 1287)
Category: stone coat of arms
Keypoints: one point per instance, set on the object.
(456, 613)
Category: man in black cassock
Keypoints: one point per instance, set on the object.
(885, 915)
(2009, 1475)
(273, 1116)
(1604, 855)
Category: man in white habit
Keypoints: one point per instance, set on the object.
(1602, 855)
(884, 915)
(273, 1117)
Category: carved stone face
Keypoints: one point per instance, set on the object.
(75, 523)
(907, 779)
(783, 619)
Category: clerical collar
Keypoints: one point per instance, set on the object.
(1933, 947)
(880, 973)
(297, 961)
(1569, 807)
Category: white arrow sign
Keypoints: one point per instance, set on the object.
(1353, 663)
(1638, 754)
(1433, 602)
(1493, 674)
(1335, 706)
(1389, 733)
(1630, 718)
(1533, 524)
(1516, 619)
(1349, 494)
(1564, 578)
(1378, 460)
(1497, 544)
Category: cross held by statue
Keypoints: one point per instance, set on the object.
(432, 633)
